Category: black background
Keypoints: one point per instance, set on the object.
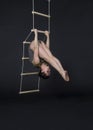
(59, 105)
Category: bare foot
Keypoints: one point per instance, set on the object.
(65, 76)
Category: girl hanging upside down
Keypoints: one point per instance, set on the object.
(41, 56)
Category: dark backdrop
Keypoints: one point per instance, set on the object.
(59, 105)
(71, 42)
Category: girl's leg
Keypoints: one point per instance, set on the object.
(65, 73)
(57, 65)
(54, 62)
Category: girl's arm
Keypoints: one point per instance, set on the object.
(48, 39)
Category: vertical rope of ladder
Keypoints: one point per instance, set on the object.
(33, 14)
(21, 81)
(49, 15)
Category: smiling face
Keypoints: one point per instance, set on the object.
(45, 69)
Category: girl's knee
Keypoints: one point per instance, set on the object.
(36, 61)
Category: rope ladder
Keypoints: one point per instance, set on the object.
(26, 42)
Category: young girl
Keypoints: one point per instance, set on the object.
(41, 56)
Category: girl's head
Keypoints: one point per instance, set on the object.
(44, 71)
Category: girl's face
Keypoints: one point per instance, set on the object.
(45, 69)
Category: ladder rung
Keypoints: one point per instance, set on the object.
(38, 31)
(30, 91)
(45, 15)
(29, 73)
(25, 42)
(25, 58)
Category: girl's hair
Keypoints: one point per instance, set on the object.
(43, 75)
